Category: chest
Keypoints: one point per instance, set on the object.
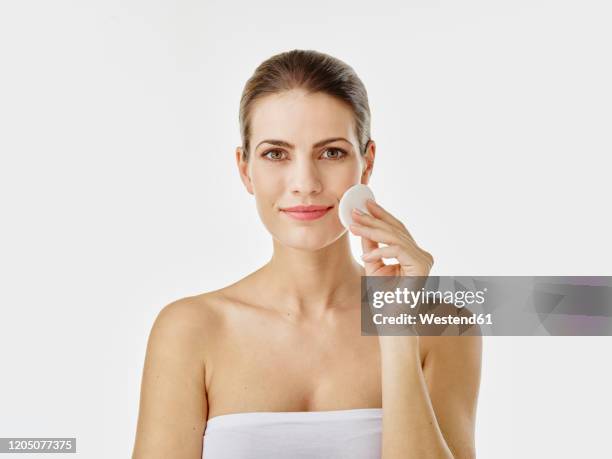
(264, 365)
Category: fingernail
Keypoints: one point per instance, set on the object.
(357, 211)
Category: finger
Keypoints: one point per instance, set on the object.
(377, 211)
(368, 245)
(375, 222)
(404, 256)
(382, 235)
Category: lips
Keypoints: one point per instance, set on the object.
(306, 212)
(305, 208)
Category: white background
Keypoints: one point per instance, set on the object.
(119, 192)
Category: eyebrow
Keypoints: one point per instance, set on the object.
(282, 143)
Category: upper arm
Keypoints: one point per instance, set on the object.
(173, 405)
(452, 372)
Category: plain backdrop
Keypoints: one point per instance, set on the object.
(119, 191)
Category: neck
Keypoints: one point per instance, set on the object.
(310, 283)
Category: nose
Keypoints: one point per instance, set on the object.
(305, 178)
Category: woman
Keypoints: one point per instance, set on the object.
(274, 365)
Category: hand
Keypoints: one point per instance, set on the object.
(382, 227)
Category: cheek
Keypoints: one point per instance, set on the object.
(348, 170)
(268, 190)
(341, 179)
(266, 181)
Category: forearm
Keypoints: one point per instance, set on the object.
(410, 428)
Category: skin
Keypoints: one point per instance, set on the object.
(220, 352)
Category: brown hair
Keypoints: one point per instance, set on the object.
(312, 71)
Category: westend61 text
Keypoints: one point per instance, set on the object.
(432, 319)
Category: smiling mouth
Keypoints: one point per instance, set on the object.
(306, 214)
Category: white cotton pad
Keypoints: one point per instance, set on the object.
(354, 197)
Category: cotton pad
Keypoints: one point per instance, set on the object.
(355, 197)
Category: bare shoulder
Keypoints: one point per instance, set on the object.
(191, 321)
(190, 313)
(202, 315)
(173, 406)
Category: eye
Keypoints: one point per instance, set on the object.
(339, 154)
(275, 158)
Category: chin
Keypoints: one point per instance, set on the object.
(308, 240)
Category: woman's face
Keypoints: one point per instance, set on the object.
(303, 152)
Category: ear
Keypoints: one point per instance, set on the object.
(243, 170)
(368, 157)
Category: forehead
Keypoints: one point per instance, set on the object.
(299, 117)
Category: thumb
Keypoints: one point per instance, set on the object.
(368, 245)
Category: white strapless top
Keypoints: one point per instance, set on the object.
(353, 433)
